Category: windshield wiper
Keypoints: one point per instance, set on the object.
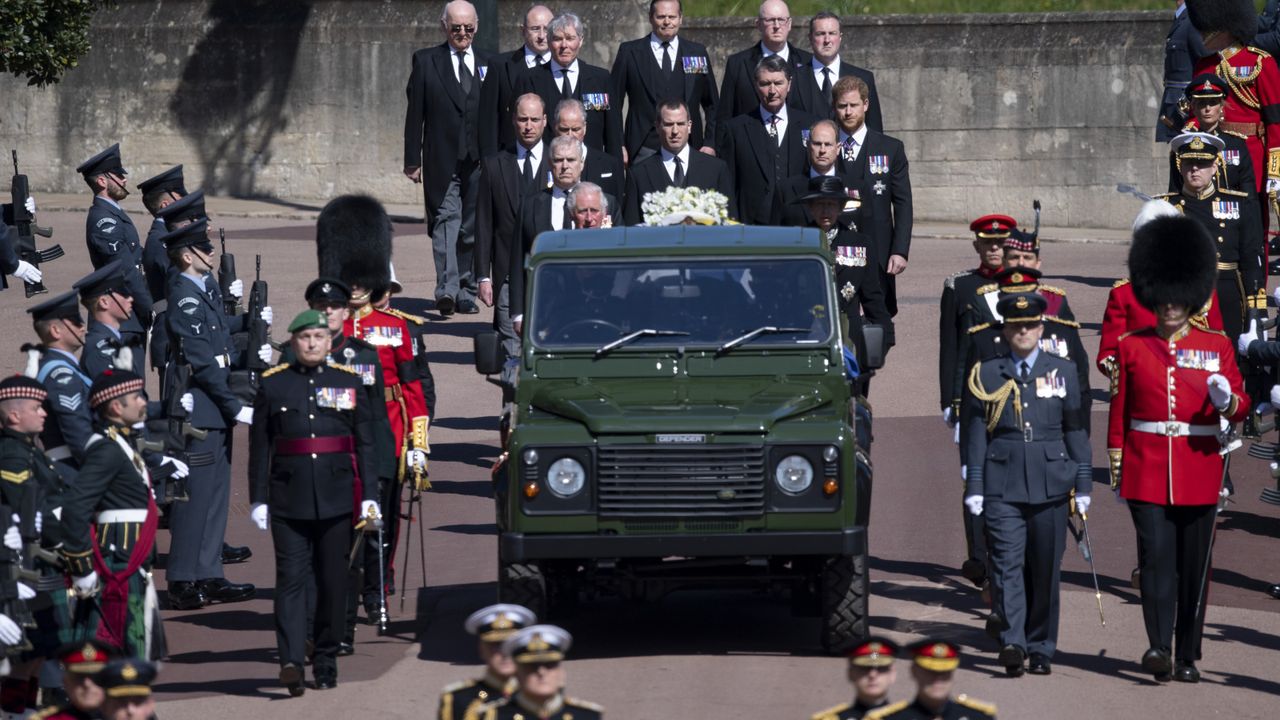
(762, 330)
(630, 337)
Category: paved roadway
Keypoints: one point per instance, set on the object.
(716, 655)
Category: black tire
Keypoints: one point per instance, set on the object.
(845, 591)
(523, 584)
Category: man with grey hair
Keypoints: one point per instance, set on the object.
(600, 168)
(444, 86)
(566, 76)
(589, 206)
(498, 95)
(738, 93)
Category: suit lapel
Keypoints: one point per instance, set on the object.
(650, 73)
(512, 179)
(444, 67)
(763, 145)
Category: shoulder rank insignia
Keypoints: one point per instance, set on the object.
(1233, 193)
(345, 368)
(584, 704)
(415, 319)
(1052, 289)
(982, 707)
(831, 713)
(887, 710)
(1242, 136)
(1118, 283)
(272, 371)
(16, 478)
(988, 288)
(1062, 321)
(979, 328)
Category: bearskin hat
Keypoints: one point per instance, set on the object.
(353, 243)
(1172, 262)
(1237, 18)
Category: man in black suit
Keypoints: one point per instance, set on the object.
(816, 78)
(675, 164)
(498, 93)
(738, 93)
(822, 152)
(505, 179)
(765, 145)
(567, 77)
(600, 168)
(440, 127)
(660, 66)
(879, 163)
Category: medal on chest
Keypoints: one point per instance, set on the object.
(1226, 210)
(1231, 157)
(1207, 360)
(851, 255)
(878, 164)
(879, 187)
(848, 291)
(382, 336)
(336, 398)
(1055, 346)
(368, 373)
(1051, 385)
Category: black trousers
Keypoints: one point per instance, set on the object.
(389, 492)
(198, 526)
(1173, 547)
(311, 551)
(1027, 541)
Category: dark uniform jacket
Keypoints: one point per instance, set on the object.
(957, 708)
(650, 175)
(1038, 450)
(112, 477)
(738, 91)
(1268, 37)
(1234, 169)
(155, 262)
(639, 78)
(513, 708)
(497, 102)
(196, 321)
(500, 192)
(70, 424)
(806, 93)
(758, 163)
(958, 291)
(593, 86)
(25, 469)
(296, 404)
(1182, 48)
(110, 235)
(855, 710)
(858, 288)
(881, 168)
(458, 699)
(101, 345)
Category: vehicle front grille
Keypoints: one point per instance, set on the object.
(680, 480)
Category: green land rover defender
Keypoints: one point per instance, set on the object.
(683, 417)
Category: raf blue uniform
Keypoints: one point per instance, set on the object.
(1182, 48)
(1025, 462)
(70, 424)
(110, 235)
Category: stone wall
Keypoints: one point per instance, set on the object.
(302, 100)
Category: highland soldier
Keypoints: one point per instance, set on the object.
(492, 626)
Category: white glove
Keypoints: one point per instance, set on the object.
(13, 538)
(180, 469)
(948, 417)
(370, 508)
(188, 402)
(1276, 294)
(1247, 338)
(25, 592)
(245, 415)
(86, 583)
(267, 316)
(264, 353)
(258, 514)
(39, 522)
(974, 503)
(964, 472)
(27, 272)
(10, 634)
(236, 289)
(416, 459)
(30, 205)
(1219, 391)
(1082, 505)
(1275, 396)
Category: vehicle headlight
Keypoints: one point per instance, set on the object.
(794, 474)
(566, 477)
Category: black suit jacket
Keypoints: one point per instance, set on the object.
(499, 194)
(757, 165)
(806, 93)
(649, 176)
(603, 108)
(440, 123)
(497, 102)
(535, 219)
(738, 92)
(640, 80)
(607, 172)
(888, 192)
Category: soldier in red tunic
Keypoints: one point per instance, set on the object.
(1175, 383)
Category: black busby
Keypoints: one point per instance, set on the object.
(1237, 18)
(353, 243)
(1172, 262)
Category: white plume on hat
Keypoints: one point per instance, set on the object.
(1153, 209)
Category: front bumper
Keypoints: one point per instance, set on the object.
(521, 547)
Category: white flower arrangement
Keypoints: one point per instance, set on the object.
(688, 205)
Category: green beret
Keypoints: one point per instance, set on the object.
(308, 319)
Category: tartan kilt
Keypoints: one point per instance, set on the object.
(86, 616)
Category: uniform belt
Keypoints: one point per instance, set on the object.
(394, 393)
(1176, 83)
(62, 452)
(1246, 129)
(326, 445)
(223, 360)
(135, 515)
(1172, 428)
(1228, 266)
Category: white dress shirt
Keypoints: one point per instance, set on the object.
(656, 46)
(533, 59)
(558, 199)
(766, 52)
(556, 73)
(669, 162)
(859, 137)
(818, 67)
(782, 121)
(471, 62)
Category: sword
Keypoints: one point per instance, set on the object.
(1127, 189)
(1087, 550)
(1213, 535)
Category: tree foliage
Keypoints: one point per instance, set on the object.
(42, 39)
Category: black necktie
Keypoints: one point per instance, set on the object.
(566, 90)
(667, 67)
(826, 84)
(528, 168)
(464, 73)
(1025, 371)
(567, 223)
(679, 175)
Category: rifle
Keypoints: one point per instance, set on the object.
(227, 277)
(176, 427)
(244, 382)
(25, 223)
(21, 570)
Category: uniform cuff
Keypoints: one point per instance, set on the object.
(1114, 456)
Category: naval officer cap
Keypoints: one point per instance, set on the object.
(109, 278)
(189, 208)
(538, 644)
(107, 161)
(1197, 146)
(499, 622)
(168, 181)
(63, 307)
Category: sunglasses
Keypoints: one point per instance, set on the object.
(464, 29)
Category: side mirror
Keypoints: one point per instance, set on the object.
(873, 335)
(488, 353)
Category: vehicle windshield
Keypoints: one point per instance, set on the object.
(579, 303)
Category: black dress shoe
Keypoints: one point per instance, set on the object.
(186, 596)
(1012, 657)
(1135, 579)
(468, 307)
(232, 554)
(326, 680)
(1158, 663)
(1186, 672)
(1275, 591)
(345, 648)
(291, 678)
(974, 571)
(1039, 665)
(445, 305)
(994, 626)
(225, 591)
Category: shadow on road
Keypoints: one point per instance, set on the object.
(470, 488)
(485, 422)
(469, 528)
(479, 455)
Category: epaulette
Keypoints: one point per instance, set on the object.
(1210, 330)
(415, 319)
(460, 685)
(1118, 283)
(831, 713)
(585, 705)
(1052, 289)
(93, 440)
(272, 371)
(1131, 332)
(982, 707)
(1190, 126)
(345, 368)
(1061, 321)
(17, 478)
(1229, 191)
(988, 288)
(483, 711)
(1259, 51)
(1166, 195)
(1242, 136)
(48, 712)
(950, 282)
(887, 710)
(979, 328)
